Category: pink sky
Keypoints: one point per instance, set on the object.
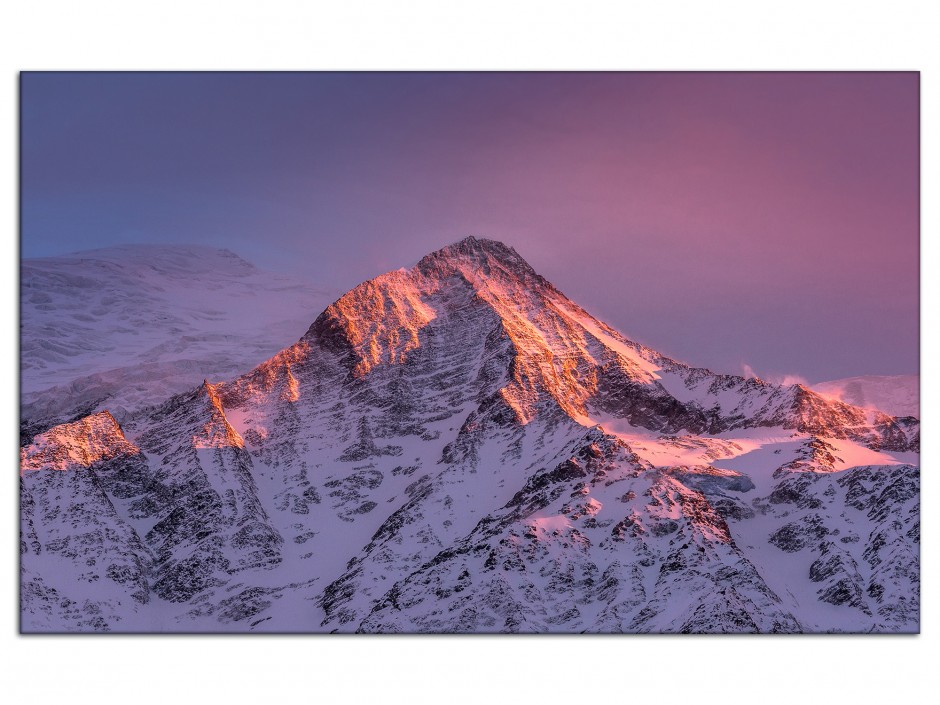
(733, 219)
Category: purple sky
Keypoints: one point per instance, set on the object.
(768, 220)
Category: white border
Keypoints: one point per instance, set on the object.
(239, 34)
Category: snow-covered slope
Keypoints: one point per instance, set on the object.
(124, 327)
(459, 447)
(898, 395)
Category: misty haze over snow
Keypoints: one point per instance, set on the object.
(125, 327)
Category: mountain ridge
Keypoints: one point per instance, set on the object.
(458, 447)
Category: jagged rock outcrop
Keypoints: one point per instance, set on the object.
(84, 567)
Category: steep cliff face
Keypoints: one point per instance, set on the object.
(459, 447)
(210, 522)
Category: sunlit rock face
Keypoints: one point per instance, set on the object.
(896, 395)
(459, 447)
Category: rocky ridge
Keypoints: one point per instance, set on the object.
(459, 447)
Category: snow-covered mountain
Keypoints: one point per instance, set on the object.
(124, 327)
(459, 447)
(898, 395)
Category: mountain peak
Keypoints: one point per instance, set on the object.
(475, 423)
(474, 245)
(480, 253)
